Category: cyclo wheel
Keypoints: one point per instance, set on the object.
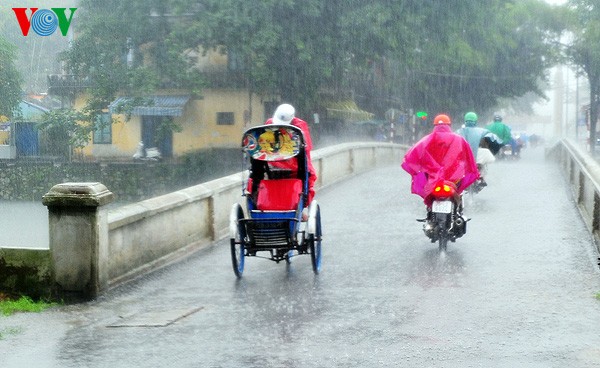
(237, 241)
(238, 257)
(314, 242)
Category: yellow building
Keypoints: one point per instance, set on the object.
(214, 119)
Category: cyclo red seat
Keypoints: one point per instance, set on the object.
(279, 195)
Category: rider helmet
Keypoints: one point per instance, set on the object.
(470, 119)
(284, 114)
(497, 118)
(442, 119)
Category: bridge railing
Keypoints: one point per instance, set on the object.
(583, 174)
(93, 249)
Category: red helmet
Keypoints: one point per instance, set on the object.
(442, 119)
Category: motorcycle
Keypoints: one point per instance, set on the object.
(505, 152)
(445, 221)
(146, 154)
(511, 151)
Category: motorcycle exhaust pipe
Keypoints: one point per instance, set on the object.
(459, 222)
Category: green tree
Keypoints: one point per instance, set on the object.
(471, 54)
(433, 55)
(284, 48)
(426, 54)
(10, 80)
(584, 51)
(133, 54)
(63, 130)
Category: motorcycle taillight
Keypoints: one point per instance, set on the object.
(444, 189)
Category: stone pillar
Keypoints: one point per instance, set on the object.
(79, 236)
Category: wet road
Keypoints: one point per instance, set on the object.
(518, 290)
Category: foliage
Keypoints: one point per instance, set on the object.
(429, 55)
(23, 304)
(584, 51)
(10, 80)
(479, 53)
(9, 331)
(165, 127)
(425, 54)
(135, 56)
(284, 47)
(65, 129)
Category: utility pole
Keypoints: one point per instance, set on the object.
(558, 102)
(577, 105)
(567, 100)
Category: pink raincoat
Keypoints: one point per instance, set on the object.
(441, 155)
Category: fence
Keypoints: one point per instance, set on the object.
(583, 174)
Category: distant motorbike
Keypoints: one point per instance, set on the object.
(147, 154)
(445, 221)
(505, 153)
(511, 151)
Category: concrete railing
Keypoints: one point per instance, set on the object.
(148, 234)
(93, 248)
(583, 174)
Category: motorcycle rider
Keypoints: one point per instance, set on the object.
(440, 155)
(501, 130)
(479, 140)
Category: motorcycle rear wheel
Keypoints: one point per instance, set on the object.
(442, 232)
(443, 242)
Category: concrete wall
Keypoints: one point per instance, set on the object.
(93, 249)
(28, 270)
(583, 174)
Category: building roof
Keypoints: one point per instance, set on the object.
(158, 105)
(31, 111)
(347, 110)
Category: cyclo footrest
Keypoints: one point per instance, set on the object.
(270, 233)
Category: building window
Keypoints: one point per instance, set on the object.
(225, 118)
(103, 129)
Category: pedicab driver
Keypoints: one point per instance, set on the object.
(286, 114)
(440, 155)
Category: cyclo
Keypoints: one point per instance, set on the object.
(271, 225)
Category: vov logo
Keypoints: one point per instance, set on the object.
(44, 21)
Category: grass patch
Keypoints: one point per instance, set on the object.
(23, 304)
(8, 332)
